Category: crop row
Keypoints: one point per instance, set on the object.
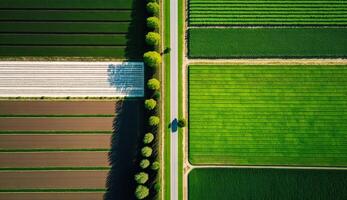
(71, 4)
(65, 15)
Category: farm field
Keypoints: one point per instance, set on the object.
(268, 115)
(286, 184)
(72, 28)
(267, 42)
(70, 152)
(267, 12)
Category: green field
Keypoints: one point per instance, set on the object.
(267, 42)
(77, 28)
(268, 115)
(268, 12)
(267, 184)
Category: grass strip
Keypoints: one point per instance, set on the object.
(54, 132)
(53, 190)
(51, 150)
(52, 168)
(47, 116)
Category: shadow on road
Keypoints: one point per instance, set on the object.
(127, 133)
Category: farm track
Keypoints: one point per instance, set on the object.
(71, 79)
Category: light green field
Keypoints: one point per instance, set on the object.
(267, 184)
(268, 115)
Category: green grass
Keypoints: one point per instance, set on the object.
(267, 42)
(269, 184)
(268, 115)
(268, 13)
(108, 29)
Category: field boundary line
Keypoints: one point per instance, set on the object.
(265, 167)
(261, 26)
(269, 61)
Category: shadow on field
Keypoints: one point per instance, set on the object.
(135, 36)
(127, 133)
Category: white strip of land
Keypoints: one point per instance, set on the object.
(74, 79)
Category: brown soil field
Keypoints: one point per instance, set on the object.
(57, 107)
(53, 179)
(53, 196)
(58, 124)
(55, 141)
(54, 159)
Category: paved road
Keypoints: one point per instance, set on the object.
(174, 98)
(71, 79)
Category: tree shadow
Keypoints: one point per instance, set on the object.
(135, 45)
(126, 137)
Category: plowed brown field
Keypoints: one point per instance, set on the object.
(53, 179)
(53, 196)
(57, 124)
(54, 159)
(55, 141)
(57, 107)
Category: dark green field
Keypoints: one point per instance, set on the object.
(104, 28)
(267, 184)
(268, 115)
(267, 42)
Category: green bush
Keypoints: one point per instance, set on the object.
(153, 23)
(153, 120)
(156, 95)
(148, 138)
(144, 163)
(153, 9)
(152, 59)
(182, 123)
(141, 178)
(141, 192)
(155, 165)
(157, 187)
(153, 84)
(146, 151)
(153, 39)
(150, 104)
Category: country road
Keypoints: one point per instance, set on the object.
(174, 99)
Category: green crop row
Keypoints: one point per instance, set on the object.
(71, 4)
(64, 27)
(249, 42)
(65, 15)
(256, 122)
(63, 39)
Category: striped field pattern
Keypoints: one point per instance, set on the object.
(268, 12)
(72, 28)
(268, 115)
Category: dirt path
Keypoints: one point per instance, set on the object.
(54, 159)
(57, 124)
(53, 196)
(55, 141)
(53, 179)
(57, 107)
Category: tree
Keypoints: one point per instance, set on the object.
(153, 39)
(153, 84)
(182, 122)
(155, 165)
(146, 151)
(153, 120)
(148, 138)
(141, 192)
(144, 163)
(153, 8)
(152, 59)
(157, 187)
(150, 104)
(156, 95)
(153, 23)
(141, 178)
